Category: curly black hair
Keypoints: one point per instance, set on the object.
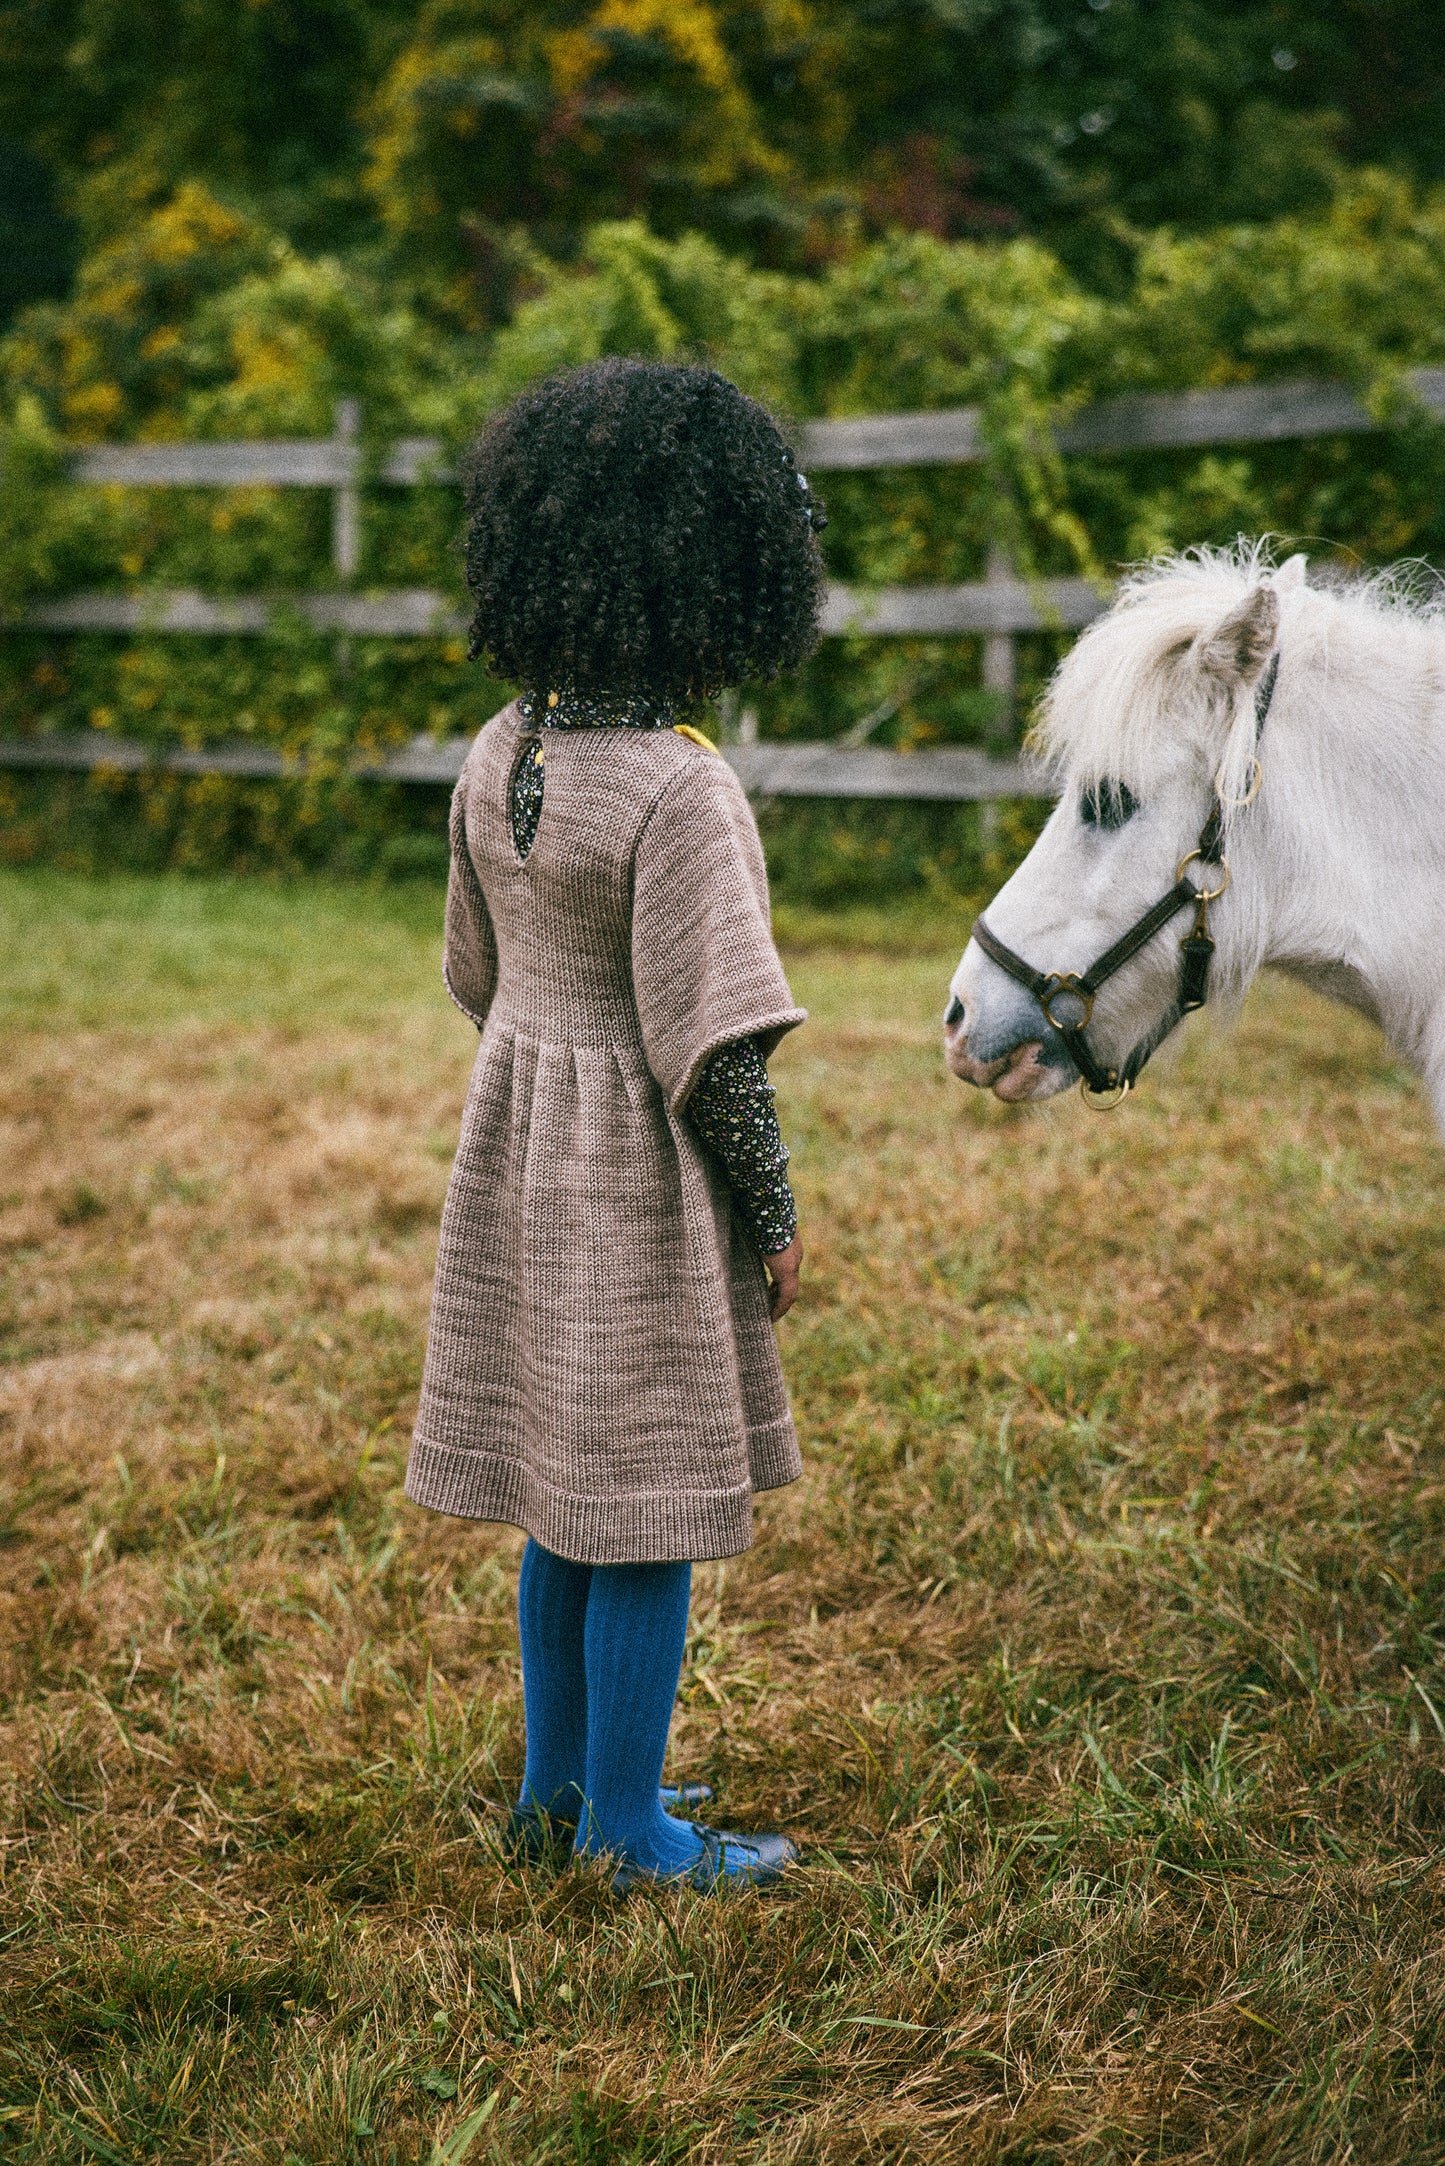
(639, 529)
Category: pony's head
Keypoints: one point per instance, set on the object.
(1151, 712)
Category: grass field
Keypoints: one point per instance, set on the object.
(1096, 1662)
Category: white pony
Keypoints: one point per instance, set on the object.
(1336, 863)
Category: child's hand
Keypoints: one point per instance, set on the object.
(783, 1270)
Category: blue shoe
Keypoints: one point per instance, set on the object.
(753, 1861)
(532, 1834)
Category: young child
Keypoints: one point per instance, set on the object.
(601, 1369)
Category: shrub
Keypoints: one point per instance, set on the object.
(200, 323)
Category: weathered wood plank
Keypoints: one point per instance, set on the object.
(405, 613)
(83, 749)
(416, 458)
(1242, 414)
(989, 606)
(949, 436)
(296, 462)
(163, 609)
(323, 462)
(949, 774)
(1135, 421)
(98, 751)
(425, 759)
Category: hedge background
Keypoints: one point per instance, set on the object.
(199, 320)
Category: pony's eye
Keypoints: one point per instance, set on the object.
(1107, 805)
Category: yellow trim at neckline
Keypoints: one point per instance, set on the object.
(685, 729)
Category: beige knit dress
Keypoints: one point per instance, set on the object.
(601, 1368)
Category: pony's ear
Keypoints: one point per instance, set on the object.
(1234, 651)
(1291, 574)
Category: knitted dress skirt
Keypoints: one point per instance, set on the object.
(601, 1369)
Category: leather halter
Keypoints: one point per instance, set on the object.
(1097, 1081)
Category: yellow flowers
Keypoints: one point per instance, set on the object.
(92, 410)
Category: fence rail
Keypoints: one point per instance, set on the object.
(1136, 421)
(953, 436)
(950, 774)
(999, 607)
(1003, 605)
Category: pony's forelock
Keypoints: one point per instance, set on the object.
(1119, 700)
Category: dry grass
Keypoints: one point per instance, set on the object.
(1096, 1660)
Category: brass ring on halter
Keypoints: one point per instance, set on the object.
(1104, 1101)
(1204, 894)
(1242, 804)
(1066, 982)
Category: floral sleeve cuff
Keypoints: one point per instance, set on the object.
(735, 1113)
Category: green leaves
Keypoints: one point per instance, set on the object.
(459, 2143)
(31, 465)
(636, 293)
(198, 320)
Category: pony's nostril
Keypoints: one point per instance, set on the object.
(954, 1013)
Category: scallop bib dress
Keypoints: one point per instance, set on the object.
(601, 1369)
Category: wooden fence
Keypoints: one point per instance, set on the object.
(999, 606)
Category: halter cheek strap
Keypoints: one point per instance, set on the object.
(1067, 997)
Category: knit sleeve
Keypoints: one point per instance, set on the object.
(704, 968)
(735, 1113)
(469, 956)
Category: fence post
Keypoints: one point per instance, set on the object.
(738, 725)
(1000, 676)
(1000, 673)
(346, 499)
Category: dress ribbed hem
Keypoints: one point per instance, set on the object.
(667, 1526)
(773, 1456)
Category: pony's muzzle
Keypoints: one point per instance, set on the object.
(1016, 1074)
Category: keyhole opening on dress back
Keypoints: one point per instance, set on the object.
(524, 796)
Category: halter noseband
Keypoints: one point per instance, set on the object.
(1103, 1087)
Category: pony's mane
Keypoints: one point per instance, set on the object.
(1102, 714)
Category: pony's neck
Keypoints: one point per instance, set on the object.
(1340, 863)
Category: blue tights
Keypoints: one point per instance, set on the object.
(602, 1650)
